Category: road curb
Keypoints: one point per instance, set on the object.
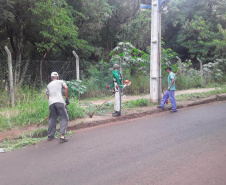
(87, 124)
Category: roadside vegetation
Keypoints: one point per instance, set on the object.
(33, 110)
(195, 96)
(24, 113)
(29, 139)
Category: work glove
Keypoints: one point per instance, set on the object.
(67, 101)
(107, 86)
(168, 89)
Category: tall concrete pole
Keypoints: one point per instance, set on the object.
(160, 55)
(155, 67)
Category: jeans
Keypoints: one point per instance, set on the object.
(169, 94)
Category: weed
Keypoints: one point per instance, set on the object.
(194, 96)
(24, 140)
(75, 110)
(137, 103)
(39, 133)
(27, 112)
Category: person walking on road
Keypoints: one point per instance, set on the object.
(57, 107)
(170, 91)
(118, 87)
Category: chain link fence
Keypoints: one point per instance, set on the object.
(36, 73)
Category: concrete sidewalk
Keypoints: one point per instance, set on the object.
(129, 98)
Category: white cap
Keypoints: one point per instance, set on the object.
(54, 74)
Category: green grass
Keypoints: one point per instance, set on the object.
(24, 140)
(10, 145)
(29, 112)
(32, 107)
(142, 102)
(195, 96)
(75, 109)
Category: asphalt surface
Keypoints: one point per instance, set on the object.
(184, 148)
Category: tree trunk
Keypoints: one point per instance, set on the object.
(24, 73)
(12, 99)
(41, 62)
(19, 50)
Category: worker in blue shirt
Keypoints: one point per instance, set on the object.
(170, 91)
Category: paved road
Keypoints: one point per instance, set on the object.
(184, 148)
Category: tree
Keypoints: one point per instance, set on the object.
(194, 36)
(130, 57)
(56, 28)
(137, 31)
(5, 13)
(187, 23)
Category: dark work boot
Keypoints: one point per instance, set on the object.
(116, 114)
(50, 138)
(160, 107)
(63, 140)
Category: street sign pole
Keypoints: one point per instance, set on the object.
(155, 63)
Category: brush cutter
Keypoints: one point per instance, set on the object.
(91, 115)
(126, 83)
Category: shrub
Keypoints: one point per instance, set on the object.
(76, 88)
(75, 110)
(27, 112)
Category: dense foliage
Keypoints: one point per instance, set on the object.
(39, 31)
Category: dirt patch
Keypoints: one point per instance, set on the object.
(16, 132)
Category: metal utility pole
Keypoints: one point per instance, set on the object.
(155, 67)
(77, 65)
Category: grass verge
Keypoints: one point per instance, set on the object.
(26, 113)
(195, 96)
(33, 110)
(29, 139)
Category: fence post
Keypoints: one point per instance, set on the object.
(12, 99)
(77, 64)
(201, 70)
(180, 63)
